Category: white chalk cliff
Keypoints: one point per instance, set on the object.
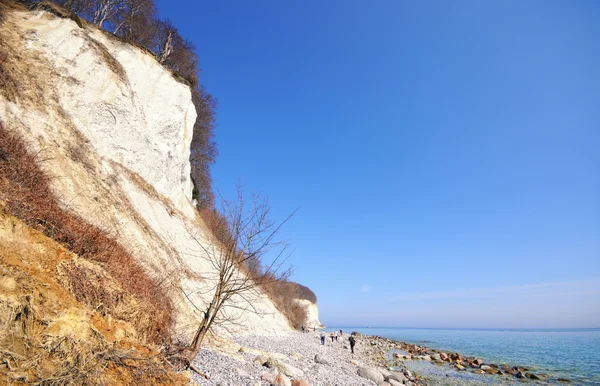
(114, 128)
(312, 314)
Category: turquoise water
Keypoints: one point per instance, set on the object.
(568, 353)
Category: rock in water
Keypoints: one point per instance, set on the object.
(370, 373)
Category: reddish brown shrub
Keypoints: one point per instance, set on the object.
(25, 189)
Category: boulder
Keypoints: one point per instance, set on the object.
(284, 368)
(398, 377)
(356, 333)
(477, 362)
(299, 382)
(319, 359)
(426, 357)
(370, 373)
(444, 356)
(384, 372)
(484, 367)
(269, 377)
(260, 360)
(533, 376)
(460, 367)
(394, 383)
(479, 371)
(384, 384)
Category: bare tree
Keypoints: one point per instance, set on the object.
(243, 237)
(136, 19)
(106, 10)
(166, 40)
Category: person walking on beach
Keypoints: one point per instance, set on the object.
(302, 328)
(322, 337)
(332, 337)
(352, 343)
(341, 332)
(336, 335)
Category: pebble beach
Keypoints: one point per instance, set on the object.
(299, 359)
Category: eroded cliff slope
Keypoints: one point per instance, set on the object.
(114, 127)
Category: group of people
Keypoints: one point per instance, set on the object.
(335, 335)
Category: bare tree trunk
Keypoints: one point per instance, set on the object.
(167, 48)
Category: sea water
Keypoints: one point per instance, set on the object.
(557, 353)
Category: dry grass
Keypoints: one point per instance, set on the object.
(59, 342)
(8, 85)
(25, 189)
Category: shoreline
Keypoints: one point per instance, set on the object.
(400, 353)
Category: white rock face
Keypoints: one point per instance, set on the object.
(312, 314)
(115, 128)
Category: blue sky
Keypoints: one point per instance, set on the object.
(444, 154)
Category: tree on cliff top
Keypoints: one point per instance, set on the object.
(244, 236)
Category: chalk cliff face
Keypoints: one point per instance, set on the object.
(114, 127)
(312, 314)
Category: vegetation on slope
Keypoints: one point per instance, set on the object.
(25, 191)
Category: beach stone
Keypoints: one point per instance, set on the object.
(460, 367)
(426, 358)
(356, 333)
(283, 368)
(394, 382)
(384, 372)
(477, 362)
(565, 380)
(281, 380)
(370, 373)
(398, 377)
(269, 376)
(299, 382)
(519, 375)
(397, 355)
(491, 370)
(354, 362)
(443, 356)
(484, 367)
(384, 383)
(479, 371)
(319, 359)
(260, 360)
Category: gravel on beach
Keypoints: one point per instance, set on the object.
(295, 349)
